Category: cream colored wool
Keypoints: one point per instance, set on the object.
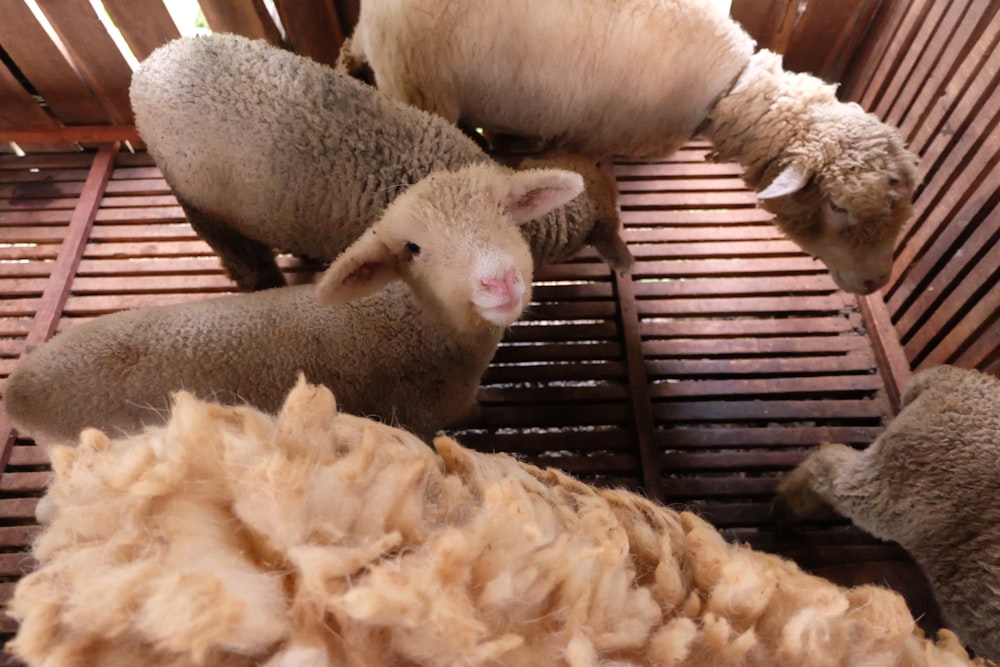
(229, 537)
(772, 120)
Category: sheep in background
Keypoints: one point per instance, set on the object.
(412, 353)
(266, 149)
(230, 537)
(930, 482)
(639, 78)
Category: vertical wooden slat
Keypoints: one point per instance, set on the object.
(29, 46)
(895, 52)
(642, 406)
(18, 109)
(770, 23)
(821, 33)
(889, 354)
(144, 25)
(945, 193)
(870, 54)
(312, 28)
(242, 17)
(94, 53)
(57, 290)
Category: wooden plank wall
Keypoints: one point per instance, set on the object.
(933, 69)
(61, 67)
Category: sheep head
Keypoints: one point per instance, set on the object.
(454, 238)
(839, 181)
(844, 194)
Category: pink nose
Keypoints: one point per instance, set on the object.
(503, 287)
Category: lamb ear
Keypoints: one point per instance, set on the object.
(535, 192)
(791, 179)
(364, 268)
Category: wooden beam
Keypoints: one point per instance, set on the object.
(38, 58)
(144, 25)
(84, 134)
(889, 355)
(312, 28)
(61, 278)
(642, 406)
(242, 17)
(93, 52)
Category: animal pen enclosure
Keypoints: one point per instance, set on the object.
(700, 379)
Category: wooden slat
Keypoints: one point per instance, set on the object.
(249, 18)
(770, 23)
(39, 59)
(144, 25)
(18, 109)
(821, 33)
(312, 27)
(893, 363)
(54, 297)
(975, 71)
(80, 133)
(920, 42)
(890, 61)
(638, 385)
(93, 52)
(859, 74)
(972, 154)
(938, 66)
(969, 222)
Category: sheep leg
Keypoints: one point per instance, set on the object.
(249, 263)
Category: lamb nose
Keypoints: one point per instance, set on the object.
(501, 286)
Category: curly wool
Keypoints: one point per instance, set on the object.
(772, 117)
(230, 537)
(930, 483)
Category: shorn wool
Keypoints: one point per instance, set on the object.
(231, 537)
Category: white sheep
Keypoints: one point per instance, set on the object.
(231, 538)
(640, 77)
(412, 353)
(930, 482)
(266, 149)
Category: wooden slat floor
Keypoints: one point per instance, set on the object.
(699, 380)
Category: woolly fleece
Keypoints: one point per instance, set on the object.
(930, 482)
(230, 537)
(267, 149)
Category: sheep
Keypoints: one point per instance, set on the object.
(639, 78)
(266, 149)
(315, 537)
(402, 325)
(929, 482)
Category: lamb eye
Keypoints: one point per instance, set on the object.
(413, 248)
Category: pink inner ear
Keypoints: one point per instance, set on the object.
(364, 273)
(528, 199)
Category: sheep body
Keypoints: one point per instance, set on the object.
(930, 483)
(231, 537)
(411, 353)
(639, 78)
(266, 149)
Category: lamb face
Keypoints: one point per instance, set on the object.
(455, 239)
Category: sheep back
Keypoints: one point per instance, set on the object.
(264, 145)
(632, 77)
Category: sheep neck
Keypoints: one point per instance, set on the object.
(765, 117)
